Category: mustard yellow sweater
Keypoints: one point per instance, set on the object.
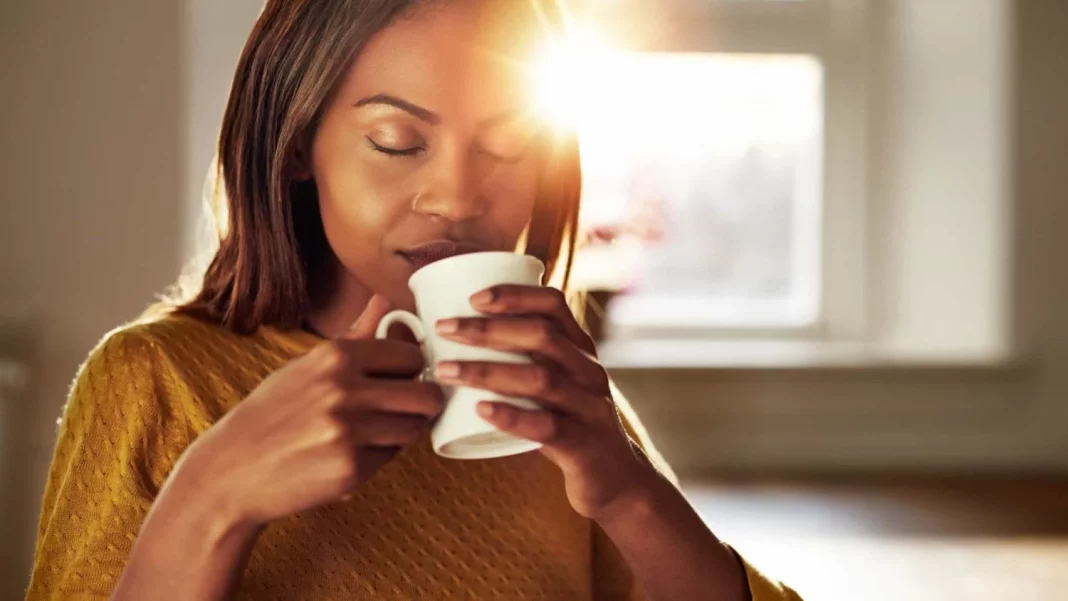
(423, 528)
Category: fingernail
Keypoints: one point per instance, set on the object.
(447, 370)
(486, 409)
(448, 326)
(486, 297)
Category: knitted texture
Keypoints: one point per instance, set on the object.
(423, 527)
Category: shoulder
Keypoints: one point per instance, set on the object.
(167, 340)
(194, 364)
(140, 360)
(138, 348)
(121, 370)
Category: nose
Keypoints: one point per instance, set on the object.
(453, 190)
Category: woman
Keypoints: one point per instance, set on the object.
(257, 443)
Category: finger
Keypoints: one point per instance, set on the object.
(401, 397)
(510, 299)
(368, 461)
(366, 324)
(371, 459)
(399, 331)
(527, 335)
(539, 426)
(513, 334)
(388, 429)
(352, 359)
(532, 381)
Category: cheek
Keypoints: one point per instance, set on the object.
(359, 204)
(512, 193)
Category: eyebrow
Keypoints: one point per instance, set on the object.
(506, 117)
(433, 118)
(415, 110)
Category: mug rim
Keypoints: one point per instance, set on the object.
(426, 271)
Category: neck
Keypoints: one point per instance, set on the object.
(338, 300)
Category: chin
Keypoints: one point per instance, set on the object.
(400, 296)
(407, 302)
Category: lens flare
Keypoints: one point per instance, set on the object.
(565, 76)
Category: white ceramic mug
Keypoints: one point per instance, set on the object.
(443, 290)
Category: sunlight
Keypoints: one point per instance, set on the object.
(562, 88)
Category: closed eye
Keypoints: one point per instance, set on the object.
(396, 152)
(511, 157)
(509, 145)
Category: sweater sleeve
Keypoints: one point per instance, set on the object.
(612, 578)
(105, 472)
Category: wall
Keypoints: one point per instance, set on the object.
(215, 32)
(1041, 189)
(939, 197)
(91, 165)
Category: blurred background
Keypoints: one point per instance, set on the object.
(826, 236)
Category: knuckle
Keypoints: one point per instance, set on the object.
(332, 357)
(479, 371)
(599, 382)
(499, 295)
(543, 379)
(348, 473)
(475, 326)
(337, 431)
(607, 407)
(559, 299)
(545, 335)
(551, 429)
(334, 400)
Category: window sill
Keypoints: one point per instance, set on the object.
(644, 353)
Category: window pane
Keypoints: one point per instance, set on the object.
(712, 164)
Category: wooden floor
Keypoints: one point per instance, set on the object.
(899, 540)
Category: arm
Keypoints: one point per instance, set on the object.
(656, 540)
(104, 488)
(250, 468)
(105, 473)
(609, 479)
(346, 407)
(187, 545)
(669, 550)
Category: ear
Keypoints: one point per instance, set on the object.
(300, 169)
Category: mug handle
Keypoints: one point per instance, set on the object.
(403, 317)
(416, 327)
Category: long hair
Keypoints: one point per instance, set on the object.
(269, 230)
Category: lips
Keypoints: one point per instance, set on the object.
(424, 255)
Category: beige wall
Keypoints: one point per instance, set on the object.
(91, 164)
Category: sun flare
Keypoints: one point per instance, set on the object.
(565, 74)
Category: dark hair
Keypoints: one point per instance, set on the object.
(272, 237)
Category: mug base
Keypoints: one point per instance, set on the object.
(486, 445)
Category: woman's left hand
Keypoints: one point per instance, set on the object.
(579, 426)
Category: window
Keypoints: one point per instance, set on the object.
(713, 163)
(703, 148)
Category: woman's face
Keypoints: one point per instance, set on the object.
(428, 148)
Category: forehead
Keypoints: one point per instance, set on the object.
(453, 57)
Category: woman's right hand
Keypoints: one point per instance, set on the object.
(316, 429)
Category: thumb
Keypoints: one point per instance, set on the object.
(365, 326)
